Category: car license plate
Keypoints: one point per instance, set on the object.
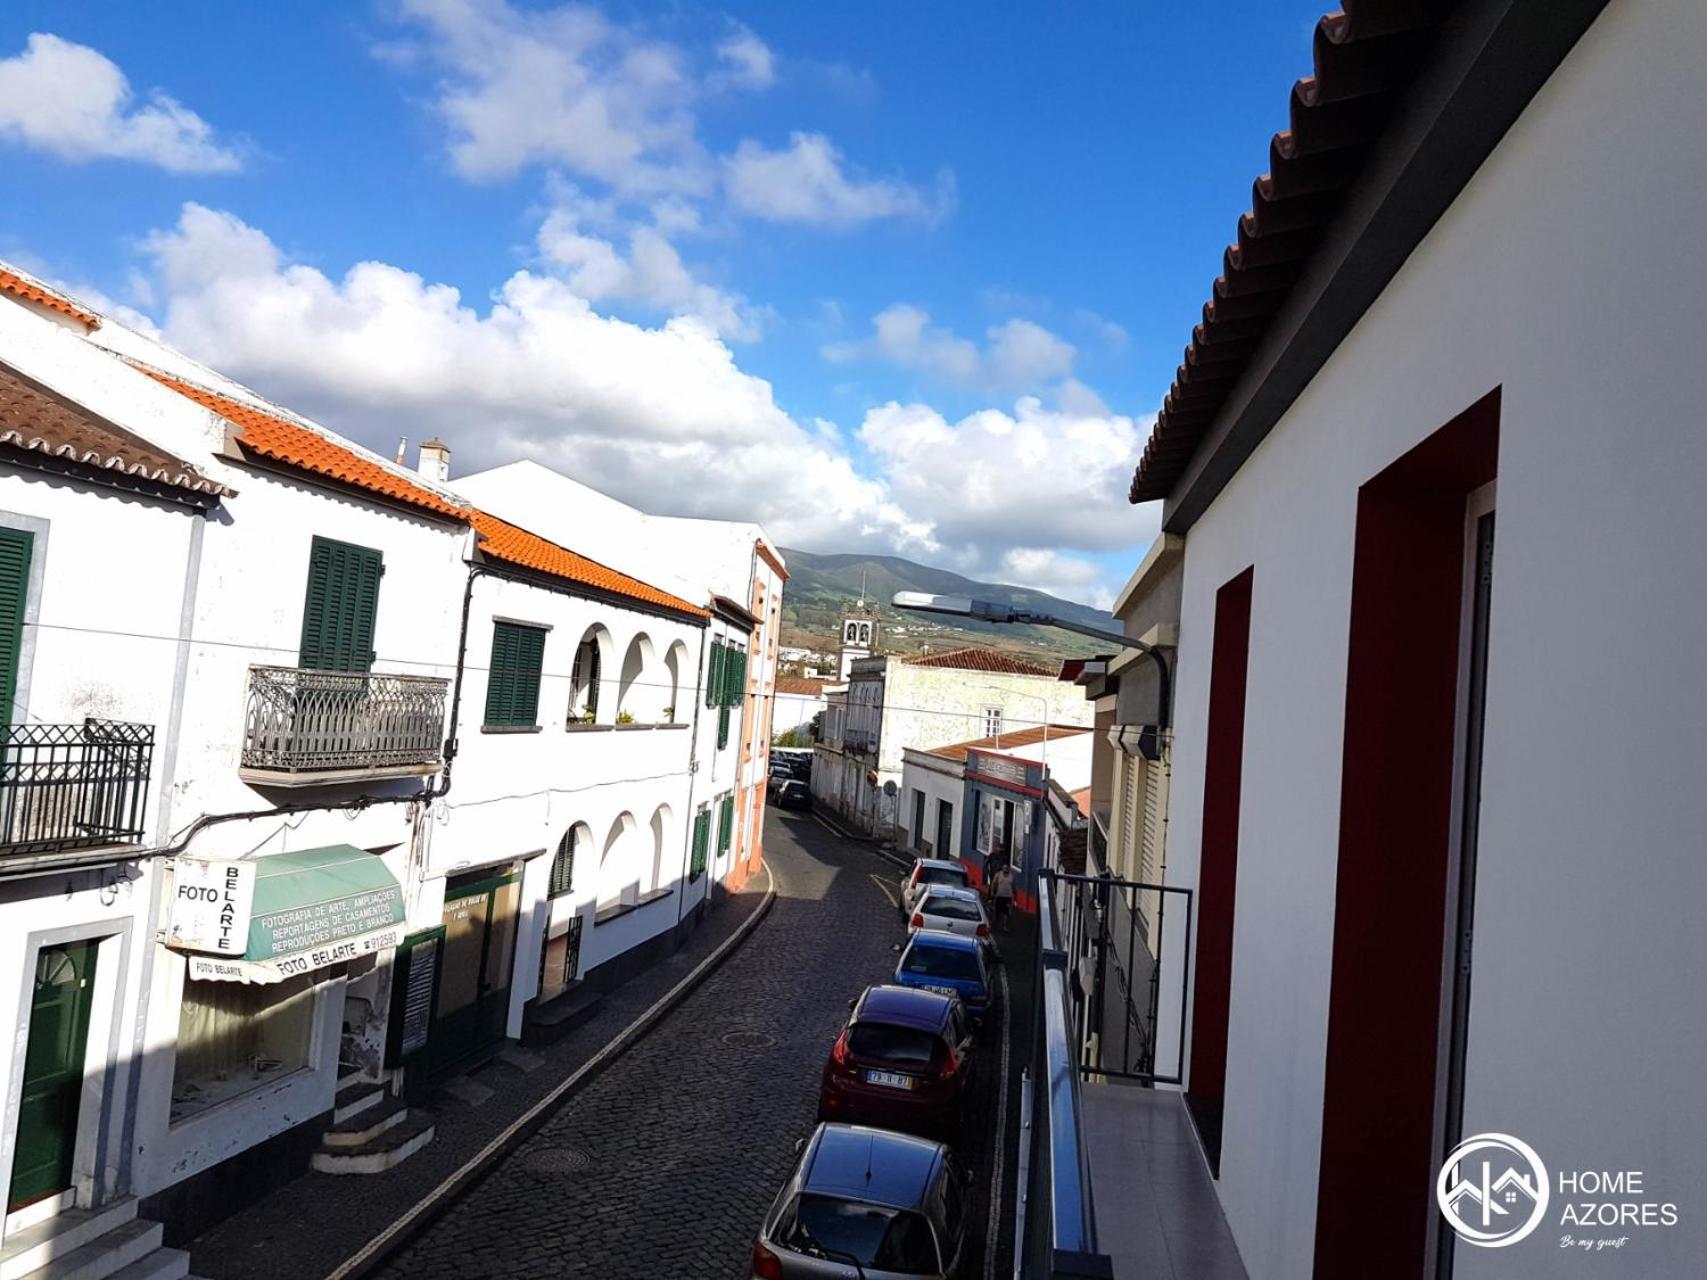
(891, 1078)
(942, 991)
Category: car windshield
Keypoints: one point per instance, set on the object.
(877, 1236)
(942, 875)
(941, 962)
(951, 908)
(897, 1046)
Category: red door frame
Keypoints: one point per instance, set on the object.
(1217, 880)
(1373, 1207)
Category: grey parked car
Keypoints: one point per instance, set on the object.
(866, 1204)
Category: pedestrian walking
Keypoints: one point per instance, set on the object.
(1002, 890)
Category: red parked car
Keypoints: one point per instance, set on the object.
(904, 1062)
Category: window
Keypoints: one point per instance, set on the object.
(338, 610)
(714, 674)
(235, 1036)
(701, 839)
(726, 823)
(563, 866)
(512, 689)
(15, 550)
(992, 722)
(584, 683)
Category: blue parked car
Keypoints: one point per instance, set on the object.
(949, 963)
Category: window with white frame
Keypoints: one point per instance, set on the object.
(992, 721)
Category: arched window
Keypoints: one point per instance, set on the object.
(637, 694)
(660, 830)
(586, 675)
(563, 864)
(619, 871)
(675, 664)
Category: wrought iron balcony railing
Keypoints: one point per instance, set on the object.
(307, 726)
(73, 786)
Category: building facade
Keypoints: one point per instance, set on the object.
(1451, 466)
(368, 780)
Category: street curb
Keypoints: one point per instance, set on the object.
(433, 1206)
(836, 830)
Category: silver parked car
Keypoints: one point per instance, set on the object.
(927, 872)
(866, 1204)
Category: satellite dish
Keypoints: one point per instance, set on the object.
(889, 788)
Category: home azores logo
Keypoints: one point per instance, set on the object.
(1493, 1190)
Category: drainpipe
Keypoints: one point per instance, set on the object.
(693, 776)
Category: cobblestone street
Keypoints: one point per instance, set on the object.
(664, 1165)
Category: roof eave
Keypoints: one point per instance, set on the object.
(1491, 59)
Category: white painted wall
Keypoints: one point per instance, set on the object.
(1564, 275)
(941, 781)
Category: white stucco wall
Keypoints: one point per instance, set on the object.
(1564, 275)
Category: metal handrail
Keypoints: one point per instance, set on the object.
(301, 719)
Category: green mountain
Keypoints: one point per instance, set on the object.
(820, 586)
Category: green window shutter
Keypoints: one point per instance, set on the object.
(563, 866)
(726, 824)
(714, 673)
(512, 685)
(722, 727)
(16, 547)
(340, 605)
(701, 837)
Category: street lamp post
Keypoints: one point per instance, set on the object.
(1042, 755)
(988, 611)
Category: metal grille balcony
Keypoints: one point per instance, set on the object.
(73, 786)
(305, 726)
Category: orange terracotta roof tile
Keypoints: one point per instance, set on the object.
(295, 445)
(17, 285)
(1008, 741)
(504, 541)
(974, 659)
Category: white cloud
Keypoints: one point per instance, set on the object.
(1017, 355)
(73, 102)
(807, 182)
(651, 271)
(662, 417)
(747, 60)
(1036, 477)
(561, 86)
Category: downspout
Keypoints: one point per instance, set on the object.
(693, 775)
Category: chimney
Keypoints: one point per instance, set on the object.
(435, 459)
(402, 447)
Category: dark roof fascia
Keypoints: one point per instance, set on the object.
(111, 478)
(521, 573)
(1492, 58)
(729, 611)
(245, 455)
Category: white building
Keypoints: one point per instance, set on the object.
(1392, 725)
(800, 702)
(933, 781)
(894, 703)
(420, 761)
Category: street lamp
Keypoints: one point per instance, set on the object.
(989, 611)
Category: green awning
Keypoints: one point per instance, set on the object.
(317, 897)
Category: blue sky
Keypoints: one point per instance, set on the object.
(902, 278)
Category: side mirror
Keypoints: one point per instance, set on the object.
(852, 1001)
(799, 1145)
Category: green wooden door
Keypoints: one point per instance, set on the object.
(53, 1072)
(339, 608)
(471, 1006)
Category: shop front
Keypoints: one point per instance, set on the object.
(1004, 796)
(253, 997)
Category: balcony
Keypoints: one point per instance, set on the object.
(65, 788)
(315, 728)
(1097, 1129)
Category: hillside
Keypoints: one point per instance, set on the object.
(820, 585)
